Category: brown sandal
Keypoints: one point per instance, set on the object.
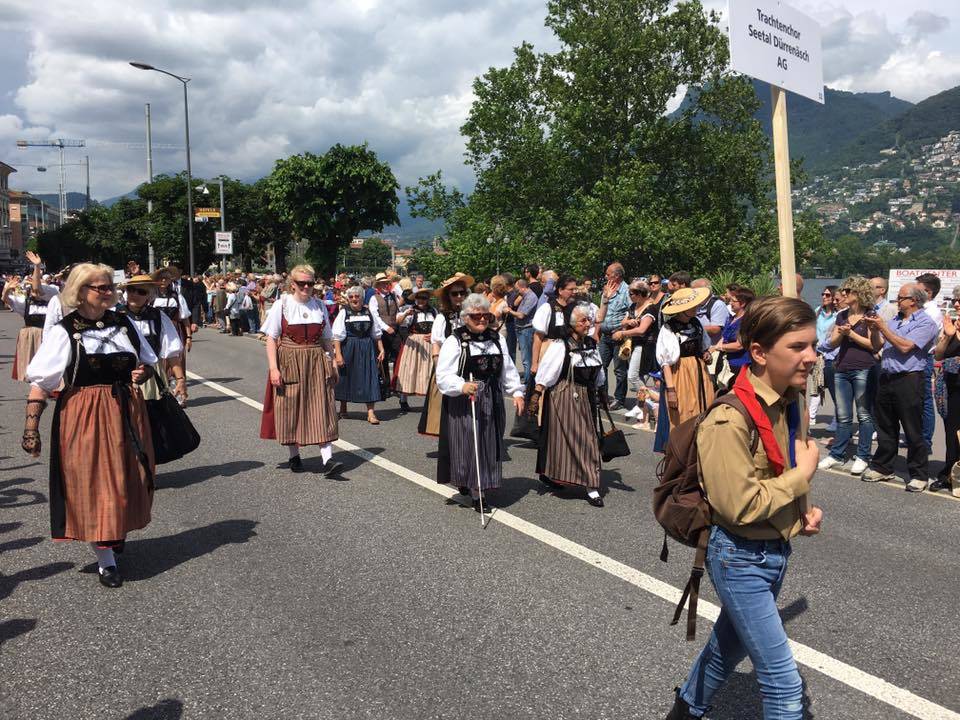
(372, 419)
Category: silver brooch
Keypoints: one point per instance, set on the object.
(123, 330)
(305, 315)
(76, 336)
(100, 324)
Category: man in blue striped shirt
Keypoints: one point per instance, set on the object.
(613, 308)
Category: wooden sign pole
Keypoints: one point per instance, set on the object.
(781, 161)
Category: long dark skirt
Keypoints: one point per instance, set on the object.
(359, 376)
(569, 448)
(457, 463)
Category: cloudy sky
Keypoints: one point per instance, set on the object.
(278, 77)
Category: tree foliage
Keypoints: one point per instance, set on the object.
(578, 165)
(327, 199)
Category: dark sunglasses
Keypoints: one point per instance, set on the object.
(303, 283)
(102, 289)
(477, 317)
(653, 282)
(137, 291)
(826, 295)
(845, 291)
(904, 297)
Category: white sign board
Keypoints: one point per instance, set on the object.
(119, 276)
(224, 243)
(777, 44)
(949, 279)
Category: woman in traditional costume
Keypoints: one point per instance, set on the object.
(450, 295)
(414, 365)
(31, 304)
(683, 352)
(298, 405)
(475, 368)
(101, 454)
(568, 380)
(552, 319)
(159, 330)
(171, 302)
(359, 352)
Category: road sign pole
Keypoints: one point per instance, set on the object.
(223, 223)
(781, 160)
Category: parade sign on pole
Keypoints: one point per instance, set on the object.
(224, 242)
(775, 43)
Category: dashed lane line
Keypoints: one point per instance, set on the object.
(853, 677)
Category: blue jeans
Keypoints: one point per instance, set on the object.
(610, 350)
(929, 416)
(525, 339)
(852, 386)
(747, 575)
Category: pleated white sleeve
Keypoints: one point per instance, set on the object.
(46, 369)
(327, 332)
(272, 322)
(147, 355)
(340, 326)
(170, 344)
(438, 329)
(551, 363)
(54, 314)
(541, 318)
(17, 303)
(448, 381)
(509, 377)
(668, 347)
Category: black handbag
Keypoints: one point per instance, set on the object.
(525, 427)
(173, 434)
(613, 443)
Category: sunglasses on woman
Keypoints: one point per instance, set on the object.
(101, 289)
(303, 284)
(480, 317)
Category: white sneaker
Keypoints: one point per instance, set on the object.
(859, 465)
(633, 412)
(828, 463)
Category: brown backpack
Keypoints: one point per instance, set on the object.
(680, 504)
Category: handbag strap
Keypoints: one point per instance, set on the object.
(606, 409)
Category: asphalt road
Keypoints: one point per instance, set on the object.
(256, 593)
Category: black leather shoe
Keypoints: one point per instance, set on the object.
(463, 490)
(110, 577)
(548, 482)
(330, 468)
(595, 501)
(680, 709)
(404, 407)
(296, 464)
(938, 484)
(486, 507)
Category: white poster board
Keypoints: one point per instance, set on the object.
(119, 276)
(224, 242)
(773, 42)
(949, 279)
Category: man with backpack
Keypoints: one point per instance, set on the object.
(735, 484)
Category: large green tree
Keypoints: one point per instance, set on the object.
(327, 199)
(577, 162)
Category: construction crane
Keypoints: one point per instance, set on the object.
(60, 144)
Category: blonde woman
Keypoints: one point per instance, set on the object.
(101, 357)
(298, 405)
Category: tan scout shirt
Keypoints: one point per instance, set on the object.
(746, 497)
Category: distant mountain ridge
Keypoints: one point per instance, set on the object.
(75, 200)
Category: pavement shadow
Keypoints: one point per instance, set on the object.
(9, 527)
(12, 496)
(350, 462)
(739, 699)
(169, 709)
(613, 479)
(9, 582)
(148, 558)
(19, 544)
(512, 491)
(794, 610)
(208, 400)
(192, 476)
(9, 629)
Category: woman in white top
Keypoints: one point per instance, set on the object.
(30, 302)
(568, 379)
(475, 368)
(411, 375)
(99, 355)
(298, 404)
(359, 352)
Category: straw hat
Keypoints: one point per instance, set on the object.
(406, 284)
(381, 277)
(139, 281)
(684, 299)
(467, 280)
(422, 292)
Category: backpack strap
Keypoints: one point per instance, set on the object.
(735, 402)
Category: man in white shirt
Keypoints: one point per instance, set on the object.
(930, 283)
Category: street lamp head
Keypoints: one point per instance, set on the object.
(142, 66)
(202, 189)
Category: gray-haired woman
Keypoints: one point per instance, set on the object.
(569, 375)
(474, 367)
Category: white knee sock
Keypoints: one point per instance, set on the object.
(105, 557)
(326, 452)
(294, 450)
(593, 493)
(814, 406)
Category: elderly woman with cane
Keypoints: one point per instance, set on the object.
(474, 370)
(568, 378)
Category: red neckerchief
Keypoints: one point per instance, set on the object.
(747, 394)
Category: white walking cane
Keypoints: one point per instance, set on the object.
(476, 453)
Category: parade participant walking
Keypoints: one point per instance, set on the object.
(568, 381)
(384, 307)
(415, 361)
(450, 295)
(174, 305)
(552, 319)
(758, 503)
(298, 406)
(474, 368)
(857, 344)
(32, 306)
(99, 355)
(682, 353)
(159, 331)
(359, 352)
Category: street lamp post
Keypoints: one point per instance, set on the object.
(186, 125)
(502, 241)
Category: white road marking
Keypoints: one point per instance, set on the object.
(853, 677)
